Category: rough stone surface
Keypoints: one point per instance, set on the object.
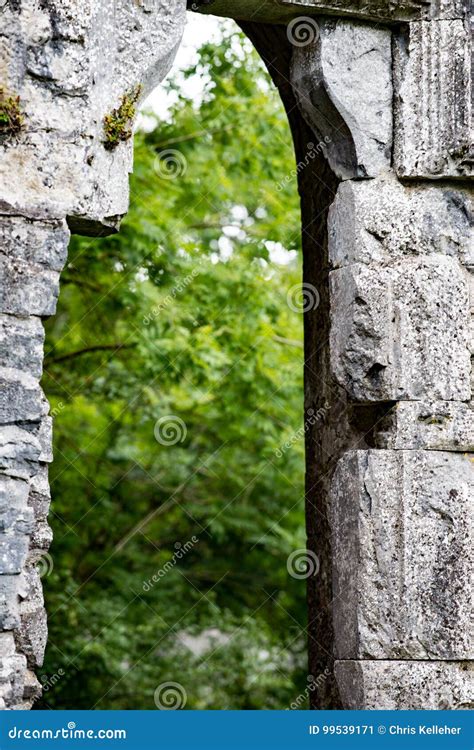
(32, 632)
(436, 425)
(433, 115)
(407, 685)
(402, 539)
(19, 452)
(400, 331)
(71, 64)
(21, 344)
(12, 679)
(21, 398)
(343, 83)
(378, 221)
(9, 609)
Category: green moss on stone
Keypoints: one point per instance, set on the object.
(119, 123)
(11, 118)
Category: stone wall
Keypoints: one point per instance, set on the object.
(71, 63)
(385, 89)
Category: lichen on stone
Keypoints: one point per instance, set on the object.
(118, 125)
(11, 118)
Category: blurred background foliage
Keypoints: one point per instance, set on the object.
(183, 313)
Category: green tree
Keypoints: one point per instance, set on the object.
(174, 368)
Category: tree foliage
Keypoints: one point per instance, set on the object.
(183, 314)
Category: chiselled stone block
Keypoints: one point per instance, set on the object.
(435, 425)
(21, 344)
(402, 545)
(382, 220)
(343, 84)
(433, 117)
(408, 685)
(401, 331)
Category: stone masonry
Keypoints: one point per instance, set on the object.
(71, 63)
(385, 88)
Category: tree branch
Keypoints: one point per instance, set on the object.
(88, 350)
(288, 342)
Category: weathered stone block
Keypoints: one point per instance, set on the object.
(13, 551)
(401, 331)
(21, 344)
(26, 289)
(13, 492)
(12, 679)
(45, 438)
(41, 538)
(433, 101)
(7, 645)
(39, 500)
(19, 452)
(37, 243)
(408, 685)
(32, 632)
(16, 516)
(343, 85)
(21, 398)
(32, 687)
(9, 610)
(378, 221)
(436, 425)
(402, 545)
(68, 67)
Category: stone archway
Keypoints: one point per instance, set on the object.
(384, 90)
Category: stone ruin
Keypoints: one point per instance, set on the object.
(384, 89)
